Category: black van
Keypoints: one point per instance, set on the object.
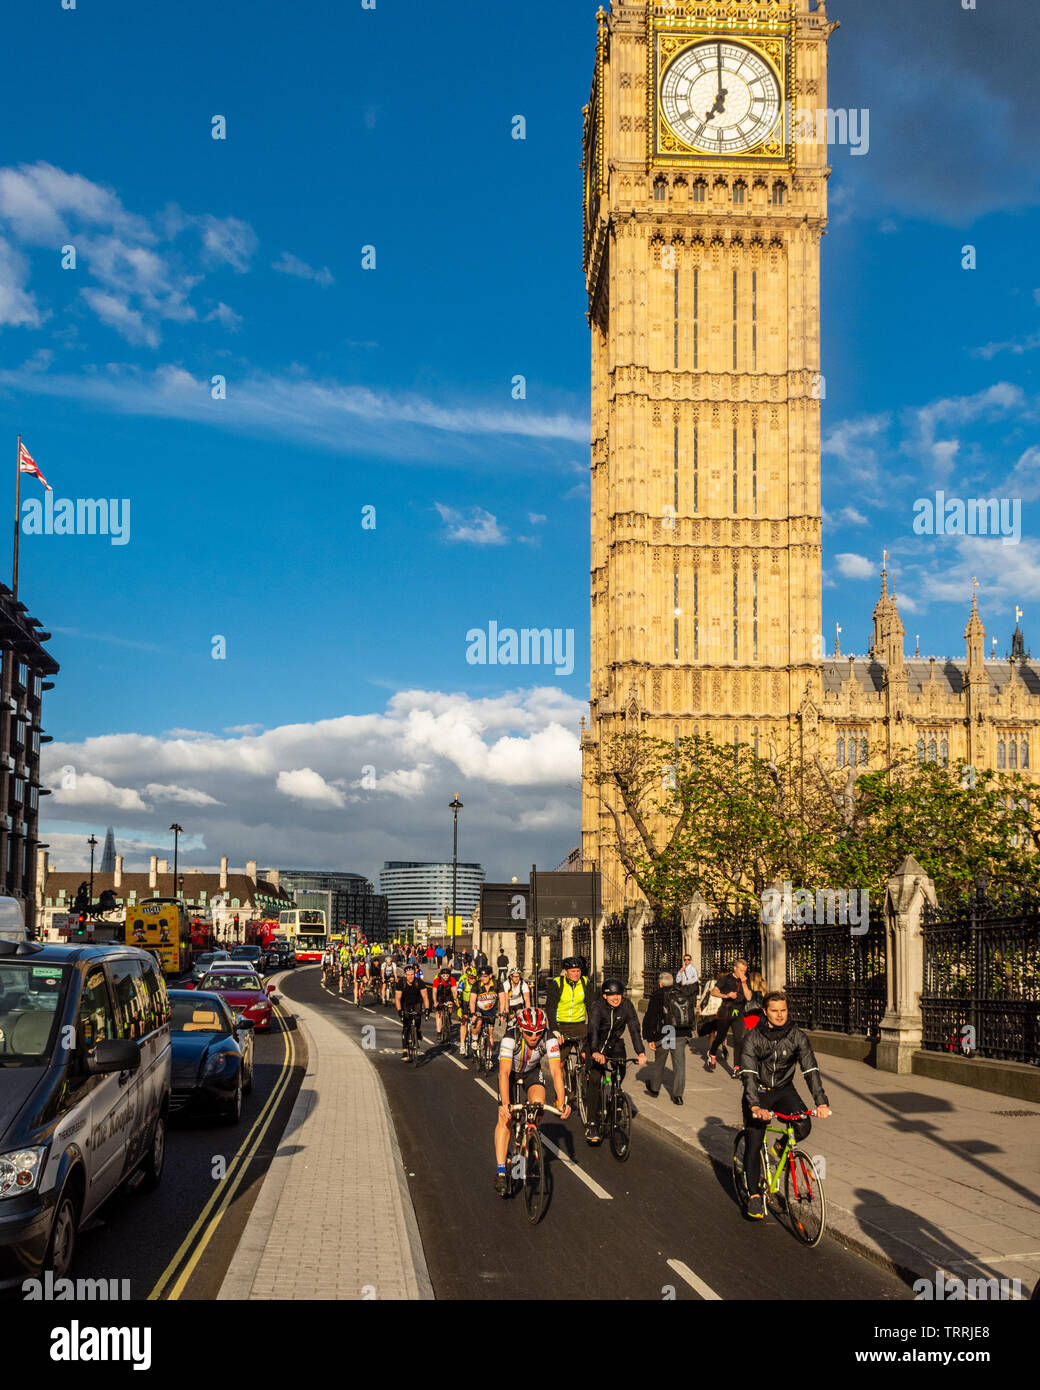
(84, 1092)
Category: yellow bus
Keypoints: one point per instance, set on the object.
(163, 927)
(306, 926)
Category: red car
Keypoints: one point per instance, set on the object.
(243, 990)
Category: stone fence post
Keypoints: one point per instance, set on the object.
(639, 916)
(694, 914)
(774, 947)
(909, 888)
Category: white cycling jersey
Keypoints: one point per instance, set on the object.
(526, 1058)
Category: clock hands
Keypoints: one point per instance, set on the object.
(719, 106)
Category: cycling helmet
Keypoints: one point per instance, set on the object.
(612, 986)
(471, 971)
(445, 970)
(516, 971)
(571, 963)
(532, 1020)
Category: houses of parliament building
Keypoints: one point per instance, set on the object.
(704, 205)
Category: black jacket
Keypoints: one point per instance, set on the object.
(657, 1015)
(770, 1057)
(605, 1022)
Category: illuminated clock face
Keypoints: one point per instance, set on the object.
(720, 98)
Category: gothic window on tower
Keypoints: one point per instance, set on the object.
(932, 752)
(736, 619)
(739, 191)
(853, 748)
(696, 463)
(944, 751)
(735, 321)
(779, 192)
(699, 192)
(754, 615)
(696, 322)
(920, 750)
(754, 320)
(754, 471)
(1012, 754)
(1001, 753)
(675, 612)
(696, 615)
(734, 469)
(660, 190)
(1024, 751)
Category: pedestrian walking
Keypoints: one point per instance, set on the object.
(503, 965)
(688, 974)
(667, 1027)
(727, 988)
(431, 954)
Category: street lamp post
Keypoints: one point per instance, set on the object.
(92, 842)
(455, 807)
(178, 831)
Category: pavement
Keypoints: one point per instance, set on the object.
(334, 1218)
(920, 1175)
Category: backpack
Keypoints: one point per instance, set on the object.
(678, 1008)
(709, 1006)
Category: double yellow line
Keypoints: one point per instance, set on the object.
(216, 1208)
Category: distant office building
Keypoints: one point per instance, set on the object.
(414, 889)
(353, 903)
(108, 854)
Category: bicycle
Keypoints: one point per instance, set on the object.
(412, 1036)
(444, 1036)
(615, 1116)
(803, 1198)
(484, 1052)
(525, 1160)
(575, 1077)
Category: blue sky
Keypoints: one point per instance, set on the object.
(391, 388)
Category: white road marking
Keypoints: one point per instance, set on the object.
(368, 1010)
(685, 1272)
(590, 1183)
(481, 1082)
(580, 1173)
(456, 1061)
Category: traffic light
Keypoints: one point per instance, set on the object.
(236, 923)
(81, 925)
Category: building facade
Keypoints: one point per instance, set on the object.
(704, 206)
(26, 667)
(353, 900)
(417, 889)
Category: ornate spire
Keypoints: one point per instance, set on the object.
(975, 635)
(1018, 641)
(837, 640)
(882, 610)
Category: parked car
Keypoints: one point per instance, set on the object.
(253, 954)
(85, 1060)
(212, 1056)
(243, 990)
(204, 961)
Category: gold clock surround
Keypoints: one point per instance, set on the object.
(668, 39)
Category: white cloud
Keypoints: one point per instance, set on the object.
(851, 517)
(536, 518)
(343, 418)
(227, 241)
(513, 758)
(225, 315)
(288, 264)
(243, 728)
(188, 795)
(304, 784)
(116, 312)
(478, 527)
(17, 305)
(88, 789)
(854, 566)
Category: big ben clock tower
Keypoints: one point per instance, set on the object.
(705, 198)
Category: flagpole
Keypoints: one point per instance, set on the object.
(17, 509)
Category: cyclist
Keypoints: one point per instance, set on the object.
(520, 1065)
(515, 995)
(609, 1016)
(462, 994)
(389, 980)
(443, 993)
(567, 1000)
(360, 976)
(767, 1066)
(375, 974)
(410, 998)
(483, 1003)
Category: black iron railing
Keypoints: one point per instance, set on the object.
(981, 987)
(836, 974)
(662, 949)
(583, 944)
(728, 936)
(615, 947)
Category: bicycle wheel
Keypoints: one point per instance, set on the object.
(582, 1088)
(803, 1195)
(536, 1180)
(413, 1042)
(621, 1126)
(489, 1048)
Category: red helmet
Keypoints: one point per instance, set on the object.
(532, 1020)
